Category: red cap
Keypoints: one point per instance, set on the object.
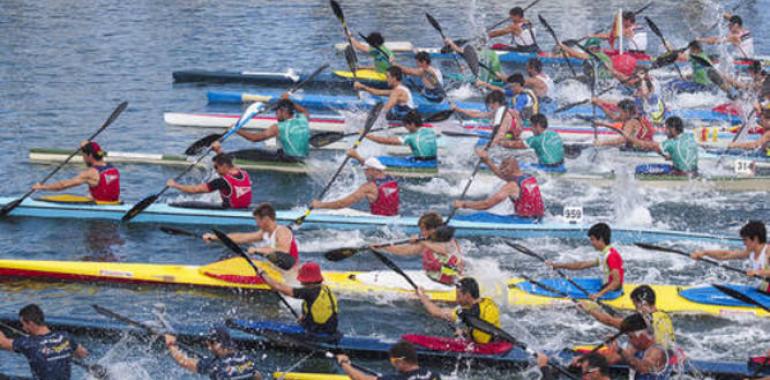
(310, 273)
(92, 147)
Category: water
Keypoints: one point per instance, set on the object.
(66, 64)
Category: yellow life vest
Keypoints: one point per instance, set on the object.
(486, 310)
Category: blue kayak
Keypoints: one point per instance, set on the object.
(592, 285)
(711, 296)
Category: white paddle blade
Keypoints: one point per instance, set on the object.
(499, 115)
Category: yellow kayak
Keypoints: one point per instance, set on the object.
(362, 74)
(235, 273)
(308, 376)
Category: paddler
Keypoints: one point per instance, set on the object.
(524, 100)
(400, 100)
(421, 140)
(425, 78)
(375, 47)
(291, 133)
(633, 34)
(631, 122)
(594, 45)
(49, 353)
(487, 57)
(469, 303)
(380, 189)
(226, 362)
(592, 366)
(754, 235)
(511, 126)
(679, 147)
(760, 145)
(441, 254)
(699, 80)
(277, 241)
(538, 81)
(519, 197)
(650, 349)
(233, 184)
(521, 30)
(319, 307)
(403, 357)
(546, 143)
(102, 178)
(737, 36)
(609, 260)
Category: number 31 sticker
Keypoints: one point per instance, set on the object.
(744, 167)
(573, 214)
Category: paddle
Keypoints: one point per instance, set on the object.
(737, 135)
(438, 28)
(561, 274)
(658, 33)
(279, 259)
(532, 4)
(631, 323)
(203, 143)
(229, 243)
(339, 254)
(740, 296)
(250, 112)
(499, 117)
(390, 264)
(735, 8)
(96, 370)
(556, 39)
(472, 59)
(379, 49)
(374, 113)
(685, 254)
(322, 139)
(351, 59)
(12, 205)
(714, 75)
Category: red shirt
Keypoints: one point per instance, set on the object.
(612, 261)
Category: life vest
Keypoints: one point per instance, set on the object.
(662, 329)
(514, 130)
(532, 106)
(442, 268)
(320, 317)
(485, 310)
(108, 188)
(269, 238)
(530, 202)
(760, 263)
(606, 271)
(239, 195)
(387, 200)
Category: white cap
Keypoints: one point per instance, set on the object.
(374, 163)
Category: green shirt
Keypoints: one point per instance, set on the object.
(489, 58)
(381, 62)
(683, 151)
(548, 147)
(294, 136)
(422, 142)
(699, 73)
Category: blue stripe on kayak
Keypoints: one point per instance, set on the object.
(592, 285)
(407, 162)
(711, 296)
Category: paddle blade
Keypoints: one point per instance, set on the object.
(490, 329)
(665, 60)
(653, 27)
(282, 260)
(524, 250)
(139, 207)
(337, 9)
(340, 254)
(715, 77)
(547, 27)
(740, 296)
(371, 118)
(229, 243)
(199, 146)
(433, 22)
(352, 59)
(390, 264)
(570, 106)
(439, 116)
(472, 59)
(653, 247)
(177, 231)
(323, 139)
(633, 322)
(10, 206)
(701, 61)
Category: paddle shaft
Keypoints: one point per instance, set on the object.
(9, 207)
(737, 135)
(704, 260)
(636, 13)
(740, 296)
(530, 5)
(556, 39)
(440, 30)
(341, 17)
(659, 33)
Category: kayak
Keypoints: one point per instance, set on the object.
(425, 106)
(336, 79)
(347, 219)
(324, 123)
(236, 274)
(358, 346)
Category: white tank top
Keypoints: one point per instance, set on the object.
(639, 41)
(409, 102)
(269, 238)
(746, 48)
(759, 263)
(548, 82)
(525, 38)
(436, 74)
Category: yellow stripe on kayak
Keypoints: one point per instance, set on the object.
(364, 74)
(308, 376)
(246, 98)
(76, 199)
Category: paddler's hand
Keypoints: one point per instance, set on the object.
(550, 264)
(315, 203)
(172, 184)
(542, 360)
(285, 95)
(697, 255)
(501, 76)
(38, 186)
(255, 251)
(752, 273)
(458, 204)
(169, 339)
(392, 59)
(421, 293)
(216, 147)
(209, 237)
(358, 86)
(480, 83)
(343, 359)
(594, 296)
(483, 154)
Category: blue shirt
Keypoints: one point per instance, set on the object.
(236, 366)
(49, 356)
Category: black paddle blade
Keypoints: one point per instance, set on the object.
(443, 234)
(390, 264)
(288, 341)
(202, 144)
(337, 9)
(138, 208)
(322, 139)
(740, 296)
(472, 59)
(491, 329)
(524, 250)
(653, 27)
(282, 260)
(439, 116)
(633, 322)
(371, 118)
(570, 106)
(715, 77)
(351, 58)
(547, 27)
(433, 22)
(177, 231)
(340, 254)
(654, 247)
(665, 60)
(229, 243)
(10, 206)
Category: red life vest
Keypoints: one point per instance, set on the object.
(444, 269)
(529, 203)
(515, 130)
(240, 191)
(647, 131)
(387, 200)
(108, 189)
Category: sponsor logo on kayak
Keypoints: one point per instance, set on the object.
(115, 273)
